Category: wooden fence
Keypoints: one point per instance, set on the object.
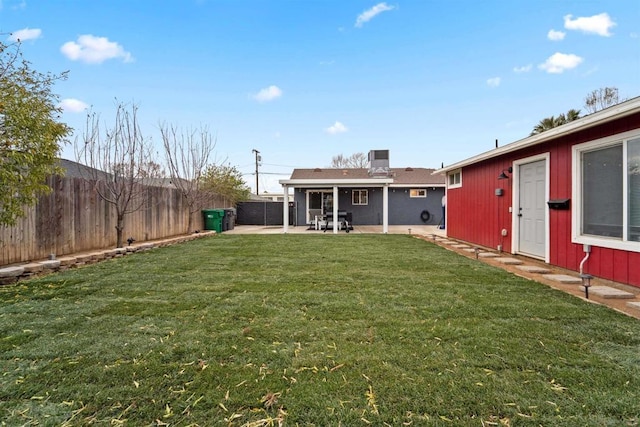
(73, 218)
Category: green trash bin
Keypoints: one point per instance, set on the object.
(213, 219)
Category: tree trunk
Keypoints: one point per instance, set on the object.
(190, 223)
(119, 230)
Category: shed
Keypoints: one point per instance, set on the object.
(558, 195)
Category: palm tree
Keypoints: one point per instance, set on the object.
(552, 122)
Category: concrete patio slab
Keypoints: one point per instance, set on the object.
(635, 305)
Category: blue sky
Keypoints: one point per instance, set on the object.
(304, 80)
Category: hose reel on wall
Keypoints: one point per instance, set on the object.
(425, 216)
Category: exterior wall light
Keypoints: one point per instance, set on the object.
(503, 175)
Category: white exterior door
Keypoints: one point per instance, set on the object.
(532, 214)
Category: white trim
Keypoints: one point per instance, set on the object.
(515, 204)
(623, 109)
(576, 211)
(285, 210)
(454, 173)
(385, 209)
(309, 183)
(425, 186)
(360, 191)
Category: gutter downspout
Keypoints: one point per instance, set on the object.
(587, 250)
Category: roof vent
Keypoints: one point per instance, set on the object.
(317, 170)
(409, 169)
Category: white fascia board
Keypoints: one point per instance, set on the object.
(601, 117)
(373, 182)
(417, 185)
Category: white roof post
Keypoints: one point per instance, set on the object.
(385, 208)
(285, 209)
(335, 209)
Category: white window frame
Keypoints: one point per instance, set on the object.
(418, 193)
(576, 217)
(359, 193)
(453, 174)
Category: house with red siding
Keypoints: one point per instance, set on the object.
(569, 196)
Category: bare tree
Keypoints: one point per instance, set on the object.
(602, 98)
(187, 155)
(356, 160)
(118, 158)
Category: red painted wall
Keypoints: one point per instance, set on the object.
(476, 215)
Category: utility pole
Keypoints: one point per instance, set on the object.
(258, 159)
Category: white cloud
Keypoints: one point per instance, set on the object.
(71, 105)
(559, 62)
(555, 35)
(494, 82)
(596, 24)
(369, 14)
(25, 34)
(336, 128)
(523, 69)
(268, 94)
(94, 50)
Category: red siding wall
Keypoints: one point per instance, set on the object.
(476, 215)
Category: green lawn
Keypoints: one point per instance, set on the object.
(310, 330)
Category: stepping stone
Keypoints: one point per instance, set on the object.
(534, 269)
(33, 267)
(11, 271)
(564, 278)
(471, 250)
(635, 305)
(51, 264)
(508, 260)
(461, 246)
(488, 255)
(449, 242)
(608, 292)
(70, 260)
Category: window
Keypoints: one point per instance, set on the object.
(418, 192)
(454, 179)
(360, 197)
(607, 192)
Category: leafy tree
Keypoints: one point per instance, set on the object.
(187, 155)
(602, 98)
(30, 133)
(356, 160)
(552, 122)
(227, 182)
(120, 162)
